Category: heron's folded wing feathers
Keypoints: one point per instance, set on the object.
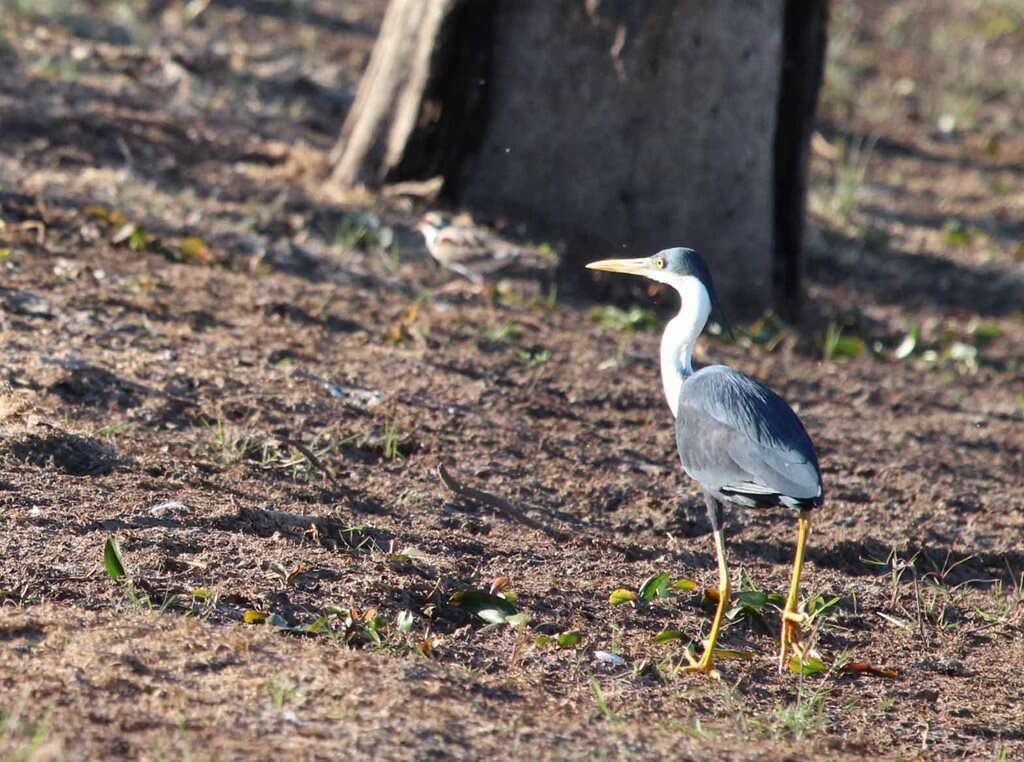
(735, 432)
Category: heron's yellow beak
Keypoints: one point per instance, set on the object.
(631, 266)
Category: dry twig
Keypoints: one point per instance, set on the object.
(499, 503)
(313, 460)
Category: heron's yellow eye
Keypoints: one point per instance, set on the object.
(660, 263)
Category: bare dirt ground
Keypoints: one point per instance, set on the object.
(210, 357)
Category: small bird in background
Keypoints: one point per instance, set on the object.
(476, 253)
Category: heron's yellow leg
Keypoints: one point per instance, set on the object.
(791, 619)
(724, 593)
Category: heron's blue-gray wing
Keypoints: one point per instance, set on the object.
(741, 440)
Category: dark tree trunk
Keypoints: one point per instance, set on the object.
(621, 127)
(803, 64)
(420, 105)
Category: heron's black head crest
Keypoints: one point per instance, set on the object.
(683, 261)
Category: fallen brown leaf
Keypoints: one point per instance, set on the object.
(863, 668)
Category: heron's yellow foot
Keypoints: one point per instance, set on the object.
(705, 664)
(706, 669)
(790, 639)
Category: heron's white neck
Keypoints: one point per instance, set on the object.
(682, 333)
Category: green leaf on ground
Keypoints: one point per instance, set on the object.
(113, 561)
(808, 666)
(849, 348)
(840, 347)
(667, 636)
(751, 599)
(654, 586)
(194, 249)
(319, 625)
(728, 654)
(986, 333)
(139, 240)
(622, 595)
(819, 607)
(684, 584)
(569, 639)
(490, 608)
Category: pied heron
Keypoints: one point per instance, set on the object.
(736, 437)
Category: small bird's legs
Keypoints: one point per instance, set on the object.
(706, 662)
(791, 619)
(473, 285)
